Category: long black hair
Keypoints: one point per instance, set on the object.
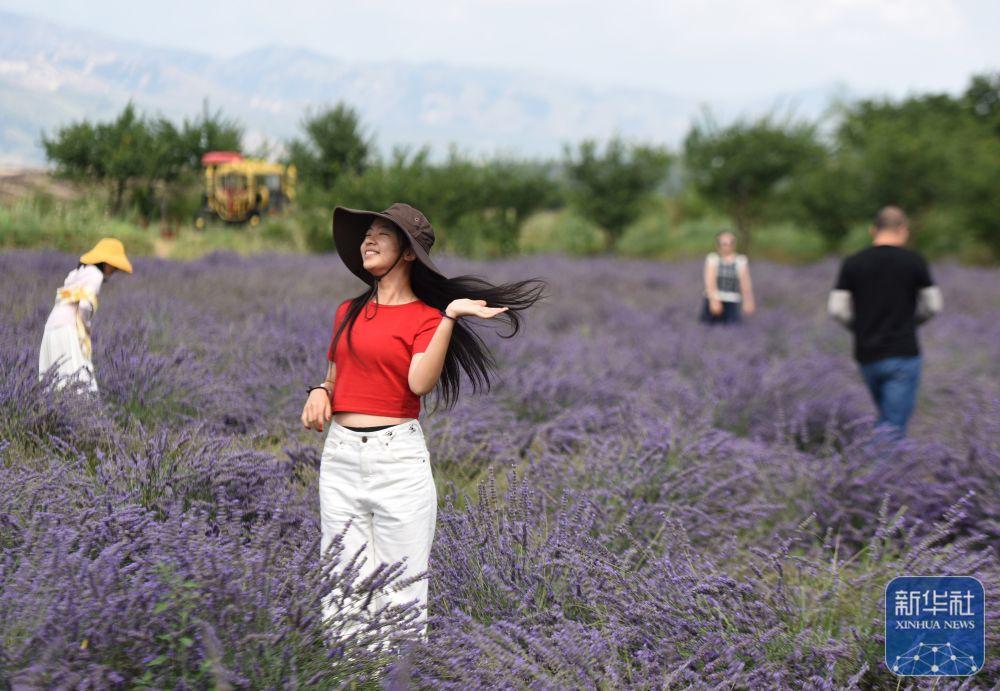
(467, 352)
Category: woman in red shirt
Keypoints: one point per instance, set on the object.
(394, 343)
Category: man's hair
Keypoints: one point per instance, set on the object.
(890, 218)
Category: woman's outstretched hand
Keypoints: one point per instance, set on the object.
(465, 307)
(317, 410)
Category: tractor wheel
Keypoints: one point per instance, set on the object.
(254, 220)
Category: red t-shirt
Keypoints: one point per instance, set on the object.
(372, 374)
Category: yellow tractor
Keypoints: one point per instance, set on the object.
(241, 190)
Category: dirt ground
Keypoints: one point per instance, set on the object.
(16, 183)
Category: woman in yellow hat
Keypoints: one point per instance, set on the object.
(66, 342)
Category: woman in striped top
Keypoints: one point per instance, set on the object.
(728, 290)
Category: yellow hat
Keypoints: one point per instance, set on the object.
(110, 251)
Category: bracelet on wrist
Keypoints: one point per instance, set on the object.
(310, 389)
(447, 316)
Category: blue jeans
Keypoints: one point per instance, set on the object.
(730, 313)
(893, 384)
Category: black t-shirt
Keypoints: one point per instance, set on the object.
(884, 281)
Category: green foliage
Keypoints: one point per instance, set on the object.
(482, 234)
(649, 236)
(181, 609)
(935, 155)
(477, 207)
(561, 232)
(334, 144)
(784, 241)
(182, 201)
(39, 222)
(943, 231)
(404, 177)
(895, 151)
(611, 186)
(112, 152)
(667, 230)
(982, 98)
(824, 197)
(743, 167)
(138, 157)
(314, 219)
(210, 131)
(285, 234)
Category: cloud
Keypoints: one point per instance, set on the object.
(712, 49)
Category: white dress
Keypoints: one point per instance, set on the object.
(66, 340)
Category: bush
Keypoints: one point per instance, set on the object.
(788, 242)
(648, 237)
(273, 236)
(612, 186)
(481, 234)
(938, 233)
(315, 224)
(39, 223)
(183, 202)
(563, 232)
(657, 235)
(942, 232)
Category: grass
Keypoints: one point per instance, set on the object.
(40, 223)
(664, 231)
(271, 236)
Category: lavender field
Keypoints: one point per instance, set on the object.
(640, 503)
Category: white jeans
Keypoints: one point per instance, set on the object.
(382, 482)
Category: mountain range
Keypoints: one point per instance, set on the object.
(52, 74)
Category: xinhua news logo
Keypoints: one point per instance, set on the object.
(935, 626)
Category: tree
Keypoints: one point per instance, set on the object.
(112, 152)
(164, 162)
(983, 99)
(478, 206)
(977, 189)
(610, 186)
(138, 156)
(743, 167)
(334, 144)
(74, 151)
(824, 196)
(899, 152)
(210, 131)
(933, 154)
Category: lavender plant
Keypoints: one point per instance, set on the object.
(641, 501)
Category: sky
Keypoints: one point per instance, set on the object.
(708, 49)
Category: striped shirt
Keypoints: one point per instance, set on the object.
(727, 279)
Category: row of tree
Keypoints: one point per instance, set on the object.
(134, 155)
(936, 155)
(479, 202)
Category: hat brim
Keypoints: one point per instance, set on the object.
(121, 263)
(349, 228)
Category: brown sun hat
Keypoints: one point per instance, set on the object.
(350, 226)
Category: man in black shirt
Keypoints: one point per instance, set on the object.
(882, 294)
